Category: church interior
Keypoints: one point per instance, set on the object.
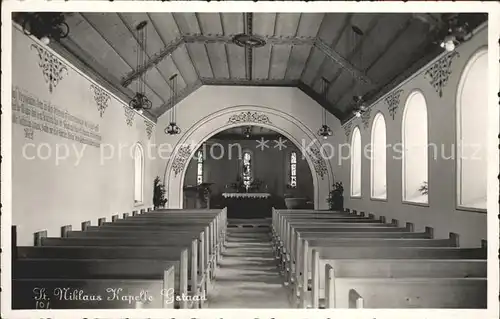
(249, 160)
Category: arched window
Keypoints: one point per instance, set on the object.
(247, 169)
(138, 173)
(199, 176)
(378, 158)
(472, 130)
(293, 169)
(356, 163)
(415, 149)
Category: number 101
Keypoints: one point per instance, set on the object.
(42, 305)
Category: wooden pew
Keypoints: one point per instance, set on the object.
(103, 293)
(408, 293)
(296, 258)
(314, 260)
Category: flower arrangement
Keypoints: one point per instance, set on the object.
(159, 199)
(424, 189)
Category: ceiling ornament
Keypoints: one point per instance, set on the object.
(392, 101)
(249, 117)
(129, 115)
(52, 68)
(183, 154)
(149, 128)
(248, 40)
(439, 73)
(45, 26)
(318, 162)
(101, 98)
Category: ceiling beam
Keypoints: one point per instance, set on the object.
(153, 61)
(72, 52)
(180, 96)
(319, 99)
(247, 82)
(200, 38)
(335, 56)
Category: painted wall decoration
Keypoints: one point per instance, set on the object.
(439, 72)
(348, 128)
(101, 98)
(183, 154)
(129, 115)
(392, 101)
(149, 128)
(52, 68)
(246, 117)
(365, 117)
(318, 162)
(39, 115)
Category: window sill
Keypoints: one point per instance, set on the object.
(355, 197)
(415, 203)
(472, 209)
(378, 199)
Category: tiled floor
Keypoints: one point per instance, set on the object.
(248, 276)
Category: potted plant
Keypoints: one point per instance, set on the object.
(159, 199)
(336, 197)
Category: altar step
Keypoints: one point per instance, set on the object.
(263, 223)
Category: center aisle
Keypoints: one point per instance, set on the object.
(248, 276)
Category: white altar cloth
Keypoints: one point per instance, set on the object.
(246, 195)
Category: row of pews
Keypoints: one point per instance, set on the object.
(350, 260)
(154, 259)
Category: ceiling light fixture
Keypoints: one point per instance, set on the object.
(325, 131)
(359, 104)
(140, 101)
(248, 131)
(45, 26)
(172, 128)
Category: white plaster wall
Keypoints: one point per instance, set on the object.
(441, 211)
(207, 111)
(49, 194)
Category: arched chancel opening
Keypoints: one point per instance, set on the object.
(378, 158)
(296, 133)
(415, 149)
(356, 156)
(472, 130)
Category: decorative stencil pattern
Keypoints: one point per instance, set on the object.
(392, 101)
(348, 128)
(101, 98)
(252, 117)
(52, 68)
(149, 128)
(440, 72)
(318, 162)
(129, 115)
(29, 133)
(181, 158)
(365, 118)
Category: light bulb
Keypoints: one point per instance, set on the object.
(325, 137)
(140, 111)
(45, 40)
(449, 46)
(358, 114)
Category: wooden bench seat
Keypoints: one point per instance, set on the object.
(174, 254)
(60, 293)
(455, 293)
(388, 268)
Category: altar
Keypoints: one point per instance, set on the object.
(248, 205)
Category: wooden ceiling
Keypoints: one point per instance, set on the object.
(300, 49)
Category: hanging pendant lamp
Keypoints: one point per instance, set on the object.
(325, 131)
(140, 101)
(172, 128)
